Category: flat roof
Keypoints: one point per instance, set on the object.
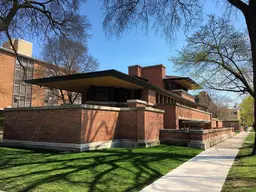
(113, 78)
(186, 82)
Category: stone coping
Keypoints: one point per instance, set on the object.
(179, 105)
(204, 131)
(104, 102)
(216, 119)
(193, 120)
(85, 106)
(136, 101)
(181, 90)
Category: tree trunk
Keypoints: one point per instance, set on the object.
(254, 147)
(251, 26)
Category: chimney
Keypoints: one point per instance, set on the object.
(155, 74)
(135, 70)
(21, 46)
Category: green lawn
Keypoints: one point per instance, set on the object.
(242, 175)
(102, 170)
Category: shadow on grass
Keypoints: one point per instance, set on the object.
(103, 170)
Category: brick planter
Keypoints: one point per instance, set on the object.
(203, 139)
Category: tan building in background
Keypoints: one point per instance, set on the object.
(231, 114)
(231, 118)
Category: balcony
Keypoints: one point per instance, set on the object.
(184, 94)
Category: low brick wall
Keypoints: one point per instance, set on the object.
(82, 127)
(174, 113)
(235, 124)
(216, 123)
(203, 139)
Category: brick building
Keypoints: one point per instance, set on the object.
(143, 107)
(231, 117)
(13, 91)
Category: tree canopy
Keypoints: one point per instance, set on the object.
(219, 56)
(247, 110)
(68, 57)
(42, 19)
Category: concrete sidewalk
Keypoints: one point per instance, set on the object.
(205, 172)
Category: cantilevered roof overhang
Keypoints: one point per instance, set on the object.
(108, 78)
(80, 82)
(186, 82)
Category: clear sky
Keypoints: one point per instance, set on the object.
(133, 48)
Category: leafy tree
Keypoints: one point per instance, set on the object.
(247, 110)
(68, 57)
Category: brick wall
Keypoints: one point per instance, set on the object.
(127, 123)
(98, 125)
(207, 137)
(154, 74)
(7, 64)
(135, 70)
(37, 91)
(184, 95)
(170, 120)
(189, 113)
(173, 113)
(214, 123)
(149, 96)
(75, 124)
(234, 124)
(56, 125)
(153, 123)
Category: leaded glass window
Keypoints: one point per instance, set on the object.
(22, 92)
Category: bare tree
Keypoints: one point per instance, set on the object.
(214, 102)
(68, 57)
(164, 16)
(219, 56)
(42, 19)
(168, 16)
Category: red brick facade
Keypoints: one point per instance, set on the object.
(82, 125)
(7, 62)
(58, 125)
(174, 113)
(198, 138)
(137, 120)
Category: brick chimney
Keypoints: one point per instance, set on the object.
(155, 74)
(135, 70)
(23, 47)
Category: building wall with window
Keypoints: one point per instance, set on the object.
(230, 114)
(14, 92)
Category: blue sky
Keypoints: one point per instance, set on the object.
(133, 48)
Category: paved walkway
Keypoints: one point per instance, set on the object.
(205, 172)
